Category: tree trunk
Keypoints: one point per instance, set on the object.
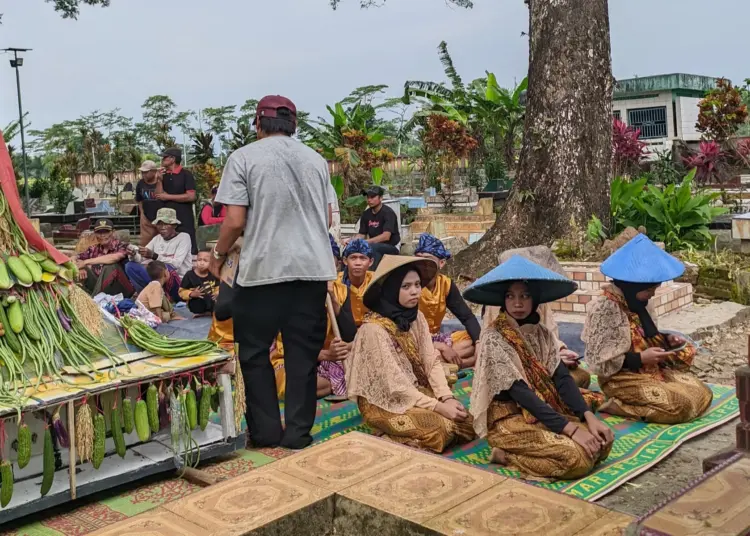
(565, 162)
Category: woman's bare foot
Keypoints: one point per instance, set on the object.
(499, 457)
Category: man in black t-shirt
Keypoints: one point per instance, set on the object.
(148, 205)
(379, 226)
(178, 192)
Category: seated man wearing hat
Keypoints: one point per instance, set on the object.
(644, 372)
(102, 266)
(379, 226)
(523, 398)
(170, 247)
(145, 196)
(357, 258)
(441, 295)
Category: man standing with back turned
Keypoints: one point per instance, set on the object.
(276, 191)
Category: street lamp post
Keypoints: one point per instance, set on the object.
(15, 63)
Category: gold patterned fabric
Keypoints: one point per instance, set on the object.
(380, 371)
(356, 298)
(419, 428)
(664, 395)
(535, 450)
(222, 333)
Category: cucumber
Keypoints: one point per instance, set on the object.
(15, 317)
(10, 337)
(19, 270)
(33, 267)
(48, 265)
(5, 281)
(141, 421)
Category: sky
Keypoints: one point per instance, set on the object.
(210, 53)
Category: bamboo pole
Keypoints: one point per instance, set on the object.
(332, 317)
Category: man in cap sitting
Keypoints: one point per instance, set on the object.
(379, 225)
(170, 247)
(102, 266)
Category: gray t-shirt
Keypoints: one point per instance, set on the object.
(284, 184)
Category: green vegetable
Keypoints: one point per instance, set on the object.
(141, 421)
(5, 281)
(127, 415)
(116, 428)
(10, 337)
(6, 493)
(216, 398)
(148, 339)
(30, 326)
(19, 269)
(48, 265)
(100, 434)
(24, 446)
(205, 407)
(152, 401)
(33, 267)
(48, 464)
(191, 408)
(15, 317)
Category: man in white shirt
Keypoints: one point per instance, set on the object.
(276, 191)
(170, 247)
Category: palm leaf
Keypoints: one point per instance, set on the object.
(450, 69)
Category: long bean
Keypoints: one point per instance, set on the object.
(145, 337)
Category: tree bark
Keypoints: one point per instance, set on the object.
(564, 169)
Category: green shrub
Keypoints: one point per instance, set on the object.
(674, 215)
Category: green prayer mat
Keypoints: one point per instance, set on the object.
(638, 445)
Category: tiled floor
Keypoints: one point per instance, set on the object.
(717, 506)
(366, 482)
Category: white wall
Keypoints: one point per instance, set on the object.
(660, 99)
(687, 117)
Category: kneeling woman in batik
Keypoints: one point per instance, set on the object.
(644, 373)
(524, 399)
(394, 372)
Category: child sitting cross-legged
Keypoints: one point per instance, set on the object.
(199, 286)
(153, 295)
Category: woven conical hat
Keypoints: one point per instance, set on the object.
(427, 269)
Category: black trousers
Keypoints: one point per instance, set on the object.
(378, 250)
(297, 310)
(202, 305)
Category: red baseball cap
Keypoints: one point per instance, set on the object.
(268, 106)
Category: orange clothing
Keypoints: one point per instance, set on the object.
(356, 296)
(432, 303)
(222, 332)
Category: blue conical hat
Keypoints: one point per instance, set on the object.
(490, 289)
(642, 261)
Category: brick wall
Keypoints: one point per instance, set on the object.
(670, 297)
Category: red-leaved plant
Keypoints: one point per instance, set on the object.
(710, 163)
(627, 149)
